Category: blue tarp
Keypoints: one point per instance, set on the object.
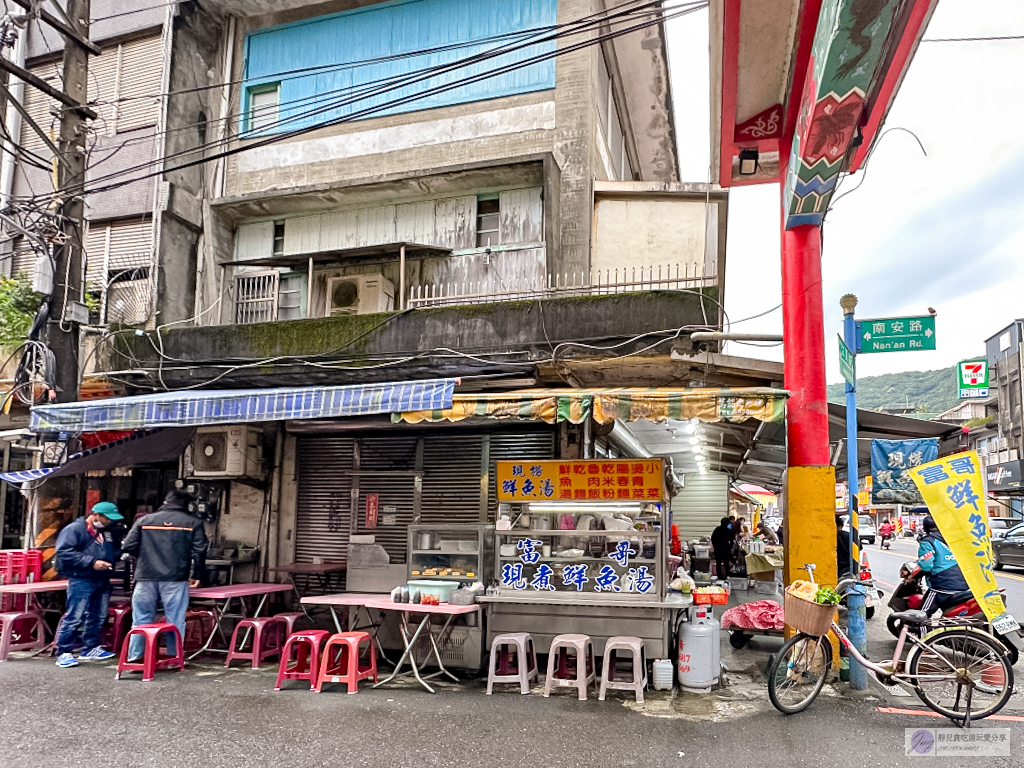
(204, 407)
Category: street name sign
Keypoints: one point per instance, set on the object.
(972, 378)
(896, 334)
(847, 363)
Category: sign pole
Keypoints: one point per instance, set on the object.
(855, 601)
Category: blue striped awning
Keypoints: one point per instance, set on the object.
(203, 407)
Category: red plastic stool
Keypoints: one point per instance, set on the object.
(341, 661)
(267, 639)
(152, 658)
(306, 646)
(21, 631)
(199, 625)
(291, 618)
(119, 618)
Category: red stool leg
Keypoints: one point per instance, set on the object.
(314, 663)
(352, 684)
(257, 646)
(325, 660)
(152, 650)
(282, 669)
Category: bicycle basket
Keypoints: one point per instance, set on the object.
(808, 617)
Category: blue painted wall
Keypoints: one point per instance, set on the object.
(336, 47)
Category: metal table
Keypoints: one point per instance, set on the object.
(221, 598)
(358, 601)
(324, 573)
(406, 609)
(32, 590)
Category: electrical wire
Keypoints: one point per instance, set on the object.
(972, 39)
(660, 15)
(400, 81)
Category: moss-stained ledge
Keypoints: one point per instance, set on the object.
(528, 329)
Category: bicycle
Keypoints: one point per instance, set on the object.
(956, 669)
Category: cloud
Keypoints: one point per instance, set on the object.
(945, 250)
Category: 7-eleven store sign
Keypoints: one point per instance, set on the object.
(973, 378)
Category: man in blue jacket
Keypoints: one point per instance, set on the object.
(945, 579)
(85, 557)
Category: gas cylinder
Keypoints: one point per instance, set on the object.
(699, 662)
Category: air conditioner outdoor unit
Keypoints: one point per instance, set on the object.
(223, 452)
(359, 295)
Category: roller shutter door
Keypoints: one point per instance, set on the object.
(142, 63)
(394, 457)
(38, 105)
(324, 516)
(701, 505)
(451, 478)
(515, 446)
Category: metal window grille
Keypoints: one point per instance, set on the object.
(256, 298)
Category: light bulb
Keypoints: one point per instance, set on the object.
(694, 440)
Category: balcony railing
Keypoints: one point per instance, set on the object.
(666, 277)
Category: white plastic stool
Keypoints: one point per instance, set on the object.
(586, 669)
(526, 661)
(634, 645)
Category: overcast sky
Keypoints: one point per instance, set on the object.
(942, 231)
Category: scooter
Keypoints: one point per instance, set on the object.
(909, 595)
(886, 541)
(871, 593)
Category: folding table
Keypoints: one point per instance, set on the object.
(406, 609)
(221, 598)
(356, 600)
(33, 589)
(323, 572)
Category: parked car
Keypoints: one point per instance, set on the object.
(1000, 525)
(867, 530)
(866, 526)
(1009, 549)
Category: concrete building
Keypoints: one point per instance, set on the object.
(1005, 443)
(371, 193)
(126, 86)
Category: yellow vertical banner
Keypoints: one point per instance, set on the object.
(953, 489)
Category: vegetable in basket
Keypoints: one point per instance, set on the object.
(827, 596)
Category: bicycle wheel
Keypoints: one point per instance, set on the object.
(974, 673)
(798, 672)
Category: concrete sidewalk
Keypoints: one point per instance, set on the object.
(208, 717)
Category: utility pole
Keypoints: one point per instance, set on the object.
(855, 598)
(66, 300)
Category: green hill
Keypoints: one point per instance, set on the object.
(928, 391)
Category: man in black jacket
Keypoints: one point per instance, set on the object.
(169, 546)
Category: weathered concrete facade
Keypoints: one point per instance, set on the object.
(558, 137)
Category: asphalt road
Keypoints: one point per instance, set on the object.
(207, 717)
(885, 567)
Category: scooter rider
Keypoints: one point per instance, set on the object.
(946, 581)
(886, 530)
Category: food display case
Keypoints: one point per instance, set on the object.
(580, 547)
(592, 550)
(452, 552)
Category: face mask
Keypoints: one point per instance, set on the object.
(98, 526)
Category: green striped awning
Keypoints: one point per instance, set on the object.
(607, 405)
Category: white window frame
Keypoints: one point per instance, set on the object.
(254, 123)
